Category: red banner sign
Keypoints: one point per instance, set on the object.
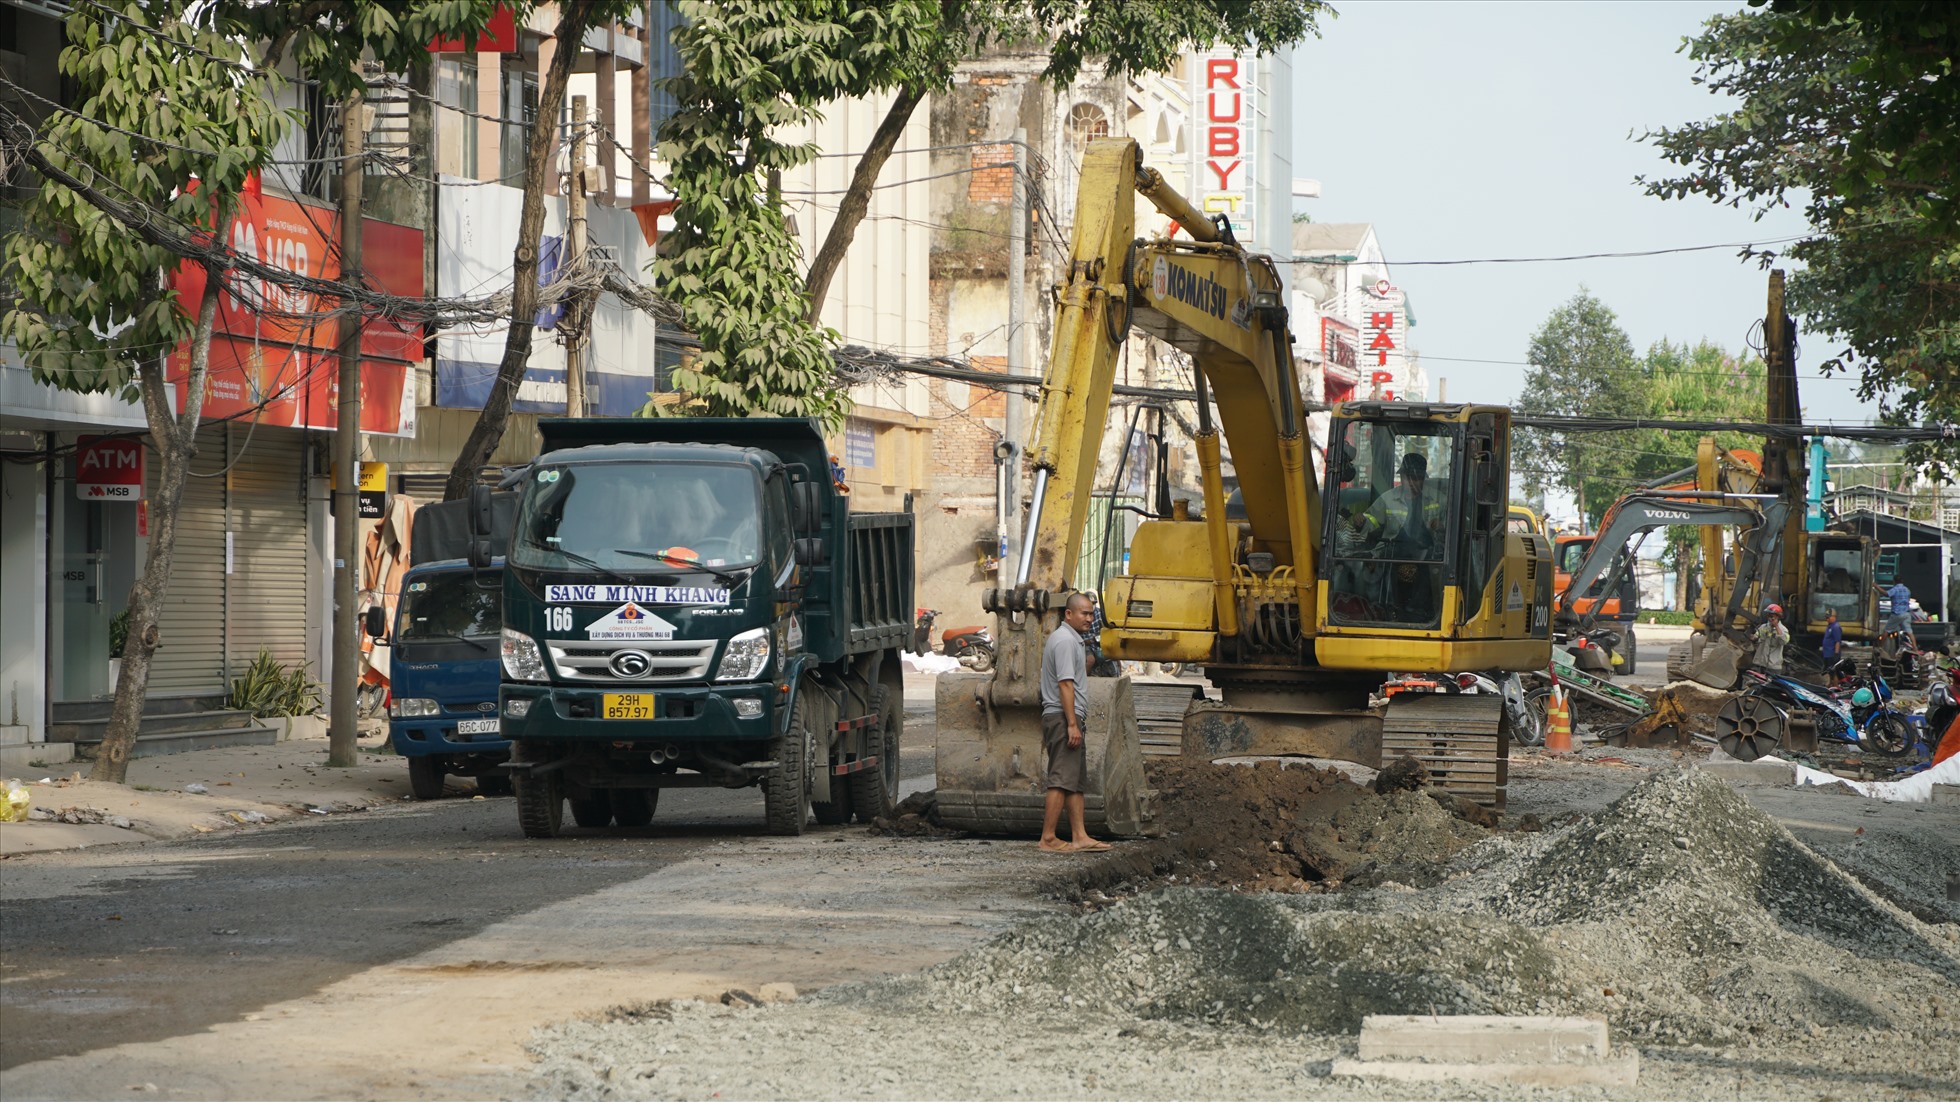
(275, 344)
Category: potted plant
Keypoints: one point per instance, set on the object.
(118, 638)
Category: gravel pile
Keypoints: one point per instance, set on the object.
(1739, 959)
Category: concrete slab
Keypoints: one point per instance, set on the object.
(1753, 772)
(1488, 1038)
(1618, 1071)
(18, 760)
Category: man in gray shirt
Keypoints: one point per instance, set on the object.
(1064, 713)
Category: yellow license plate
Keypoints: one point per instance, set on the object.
(627, 706)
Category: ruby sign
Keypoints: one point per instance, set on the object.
(109, 468)
(1226, 91)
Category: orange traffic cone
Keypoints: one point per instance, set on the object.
(1558, 722)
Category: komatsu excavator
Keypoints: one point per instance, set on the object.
(1401, 561)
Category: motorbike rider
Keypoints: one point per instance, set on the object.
(1771, 637)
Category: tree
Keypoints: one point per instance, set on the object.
(172, 116)
(1702, 383)
(575, 17)
(1124, 38)
(1582, 365)
(165, 132)
(751, 67)
(1854, 110)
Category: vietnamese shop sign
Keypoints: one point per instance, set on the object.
(273, 354)
(1225, 93)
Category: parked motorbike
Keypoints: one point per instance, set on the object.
(972, 645)
(1859, 711)
(1524, 712)
(922, 630)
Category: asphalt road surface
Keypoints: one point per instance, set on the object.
(149, 941)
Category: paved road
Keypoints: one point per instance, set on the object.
(150, 941)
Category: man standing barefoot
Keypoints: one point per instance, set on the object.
(1064, 712)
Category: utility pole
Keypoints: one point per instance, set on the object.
(344, 730)
(575, 253)
(1017, 263)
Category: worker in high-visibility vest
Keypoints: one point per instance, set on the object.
(1407, 516)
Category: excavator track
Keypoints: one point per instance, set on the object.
(1460, 739)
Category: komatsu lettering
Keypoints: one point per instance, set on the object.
(1205, 293)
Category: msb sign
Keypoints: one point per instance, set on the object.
(109, 468)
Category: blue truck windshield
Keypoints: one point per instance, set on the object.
(440, 607)
(623, 517)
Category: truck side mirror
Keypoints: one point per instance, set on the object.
(806, 508)
(376, 622)
(480, 518)
(810, 552)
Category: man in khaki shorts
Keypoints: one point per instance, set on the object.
(1064, 712)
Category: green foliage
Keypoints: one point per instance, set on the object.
(119, 633)
(1149, 37)
(329, 40)
(1582, 365)
(161, 101)
(269, 688)
(753, 67)
(1854, 111)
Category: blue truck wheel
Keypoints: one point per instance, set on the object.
(425, 776)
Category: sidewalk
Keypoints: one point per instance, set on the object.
(243, 786)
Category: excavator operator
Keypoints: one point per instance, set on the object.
(1407, 520)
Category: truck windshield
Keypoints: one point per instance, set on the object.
(441, 607)
(625, 517)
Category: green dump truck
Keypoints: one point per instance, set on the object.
(690, 602)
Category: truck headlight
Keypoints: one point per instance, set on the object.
(746, 656)
(522, 659)
(413, 706)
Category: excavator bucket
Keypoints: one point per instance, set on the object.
(1715, 665)
(990, 762)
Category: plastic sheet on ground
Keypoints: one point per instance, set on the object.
(1916, 789)
(928, 663)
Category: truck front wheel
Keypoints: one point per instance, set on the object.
(786, 790)
(874, 792)
(425, 777)
(540, 797)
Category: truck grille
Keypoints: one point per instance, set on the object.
(673, 660)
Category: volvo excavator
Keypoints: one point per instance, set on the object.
(1399, 560)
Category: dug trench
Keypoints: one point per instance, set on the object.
(1237, 954)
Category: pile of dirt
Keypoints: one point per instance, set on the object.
(1290, 827)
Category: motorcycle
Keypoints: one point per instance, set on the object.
(922, 630)
(1858, 711)
(1942, 703)
(972, 645)
(1524, 712)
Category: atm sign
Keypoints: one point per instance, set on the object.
(109, 468)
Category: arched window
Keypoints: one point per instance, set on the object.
(1086, 121)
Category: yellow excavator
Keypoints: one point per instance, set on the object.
(1399, 560)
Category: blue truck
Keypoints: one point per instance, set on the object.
(690, 602)
(444, 669)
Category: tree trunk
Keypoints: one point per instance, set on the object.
(489, 429)
(857, 200)
(176, 441)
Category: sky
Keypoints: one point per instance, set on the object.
(1466, 130)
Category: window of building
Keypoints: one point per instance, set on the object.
(1086, 122)
(663, 61)
(520, 110)
(456, 133)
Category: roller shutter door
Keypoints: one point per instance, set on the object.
(191, 659)
(271, 572)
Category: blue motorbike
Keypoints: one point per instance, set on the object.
(1857, 712)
